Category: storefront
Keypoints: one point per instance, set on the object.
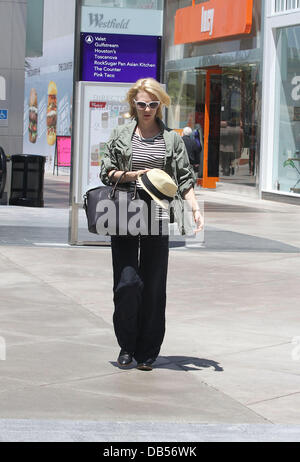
(213, 62)
(281, 102)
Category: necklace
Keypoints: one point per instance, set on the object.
(147, 137)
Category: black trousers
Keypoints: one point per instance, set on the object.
(140, 267)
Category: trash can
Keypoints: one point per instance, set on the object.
(27, 180)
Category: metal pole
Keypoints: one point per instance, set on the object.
(206, 130)
(73, 212)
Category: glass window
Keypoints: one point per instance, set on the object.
(34, 28)
(239, 141)
(136, 4)
(286, 171)
(286, 5)
(182, 90)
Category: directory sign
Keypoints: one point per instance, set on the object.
(119, 57)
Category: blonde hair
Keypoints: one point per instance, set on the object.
(152, 87)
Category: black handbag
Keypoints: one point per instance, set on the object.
(115, 210)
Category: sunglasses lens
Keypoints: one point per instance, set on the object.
(143, 105)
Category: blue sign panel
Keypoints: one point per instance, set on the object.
(119, 57)
(3, 114)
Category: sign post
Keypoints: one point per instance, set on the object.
(114, 47)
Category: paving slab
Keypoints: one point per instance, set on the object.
(249, 385)
(198, 402)
(273, 358)
(9, 383)
(216, 340)
(60, 264)
(51, 322)
(280, 410)
(56, 361)
(230, 350)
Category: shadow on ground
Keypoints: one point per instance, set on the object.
(179, 363)
(189, 363)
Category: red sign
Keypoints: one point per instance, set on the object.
(214, 19)
(97, 105)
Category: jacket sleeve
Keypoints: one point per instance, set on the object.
(184, 171)
(109, 162)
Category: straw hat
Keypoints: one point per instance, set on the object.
(159, 185)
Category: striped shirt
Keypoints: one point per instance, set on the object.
(149, 153)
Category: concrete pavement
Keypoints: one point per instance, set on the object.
(229, 368)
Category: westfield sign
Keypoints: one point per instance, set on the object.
(98, 20)
(212, 20)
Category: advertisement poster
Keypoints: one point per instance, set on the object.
(119, 58)
(102, 108)
(104, 116)
(63, 151)
(48, 98)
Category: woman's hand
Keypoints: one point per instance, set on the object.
(140, 172)
(199, 220)
(194, 206)
(133, 176)
(128, 177)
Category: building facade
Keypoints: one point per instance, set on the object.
(240, 88)
(280, 173)
(12, 56)
(213, 72)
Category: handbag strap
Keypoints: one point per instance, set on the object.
(113, 192)
(111, 176)
(134, 194)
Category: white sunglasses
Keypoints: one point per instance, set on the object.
(142, 105)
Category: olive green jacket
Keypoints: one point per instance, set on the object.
(118, 156)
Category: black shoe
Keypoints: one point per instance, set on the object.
(146, 365)
(124, 358)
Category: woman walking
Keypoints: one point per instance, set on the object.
(140, 263)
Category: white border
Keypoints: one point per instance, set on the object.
(272, 23)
